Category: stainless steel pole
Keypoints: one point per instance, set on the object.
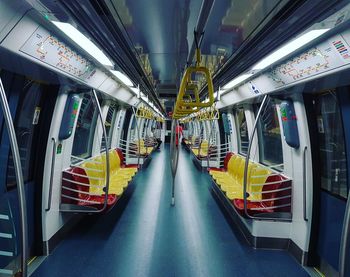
(107, 149)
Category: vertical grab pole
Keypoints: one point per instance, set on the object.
(344, 252)
(138, 138)
(304, 184)
(245, 178)
(174, 157)
(19, 178)
(53, 159)
(107, 150)
(211, 130)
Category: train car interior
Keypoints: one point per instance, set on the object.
(174, 138)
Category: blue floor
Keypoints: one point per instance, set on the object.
(151, 238)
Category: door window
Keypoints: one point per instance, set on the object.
(243, 138)
(109, 123)
(85, 129)
(332, 148)
(26, 119)
(269, 136)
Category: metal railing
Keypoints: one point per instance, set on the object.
(66, 182)
(130, 150)
(269, 196)
(75, 191)
(263, 194)
(218, 154)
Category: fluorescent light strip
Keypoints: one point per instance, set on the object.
(135, 90)
(289, 48)
(236, 81)
(122, 77)
(83, 42)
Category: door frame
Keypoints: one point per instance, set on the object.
(344, 106)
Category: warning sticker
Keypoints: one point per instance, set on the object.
(36, 115)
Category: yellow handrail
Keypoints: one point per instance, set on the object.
(188, 86)
(144, 112)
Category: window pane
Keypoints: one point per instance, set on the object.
(108, 125)
(25, 127)
(242, 131)
(269, 136)
(332, 149)
(84, 133)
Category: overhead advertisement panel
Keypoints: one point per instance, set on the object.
(49, 49)
(329, 55)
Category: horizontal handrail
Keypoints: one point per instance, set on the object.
(79, 199)
(80, 183)
(270, 199)
(85, 168)
(269, 191)
(82, 191)
(269, 183)
(274, 165)
(270, 175)
(272, 207)
(90, 159)
(84, 176)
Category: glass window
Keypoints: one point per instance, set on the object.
(25, 128)
(269, 136)
(243, 138)
(145, 127)
(331, 145)
(168, 125)
(110, 118)
(231, 23)
(85, 129)
(133, 128)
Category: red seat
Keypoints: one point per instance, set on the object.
(226, 160)
(273, 190)
(251, 206)
(84, 198)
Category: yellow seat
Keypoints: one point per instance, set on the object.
(119, 177)
(218, 174)
(229, 178)
(202, 150)
(235, 190)
(256, 182)
(115, 168)
(96, 176)
(231, 181)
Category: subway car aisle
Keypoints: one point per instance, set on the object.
(151, 238)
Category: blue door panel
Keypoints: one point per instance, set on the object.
(331, 223)
(13, 198)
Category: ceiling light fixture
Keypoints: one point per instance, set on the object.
(236, 81)
(122, 77)
(135, 90)
(289, 48)
(85, 43)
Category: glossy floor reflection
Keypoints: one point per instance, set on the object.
(151, 238)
